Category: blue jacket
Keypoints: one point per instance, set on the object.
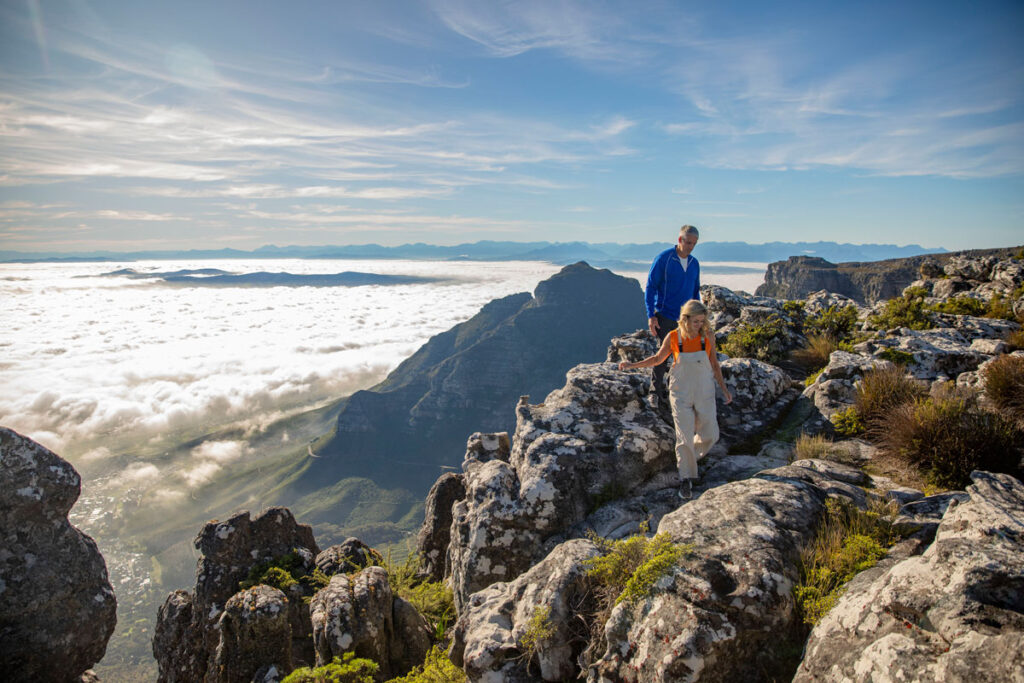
(669, 286)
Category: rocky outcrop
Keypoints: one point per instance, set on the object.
(57, 608)
(464, 380)
(224, 633)
(436, 531)
(595, 436)
(195, 637)
(865, 282)
(956, 612)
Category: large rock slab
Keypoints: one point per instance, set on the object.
(718, 617)
(954, 613)
(57, 608)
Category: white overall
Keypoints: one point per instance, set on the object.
(691, 389)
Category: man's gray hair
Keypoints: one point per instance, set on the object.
(689, 230)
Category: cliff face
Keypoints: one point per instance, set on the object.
(467, 378)
(865, 282)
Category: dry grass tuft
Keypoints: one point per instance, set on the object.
(948, 436)
(1004, 385)
(881, 391)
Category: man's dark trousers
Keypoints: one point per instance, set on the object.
(665, 325)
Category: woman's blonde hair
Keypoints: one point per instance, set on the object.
(691, 308)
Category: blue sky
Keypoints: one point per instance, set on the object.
(128, 125)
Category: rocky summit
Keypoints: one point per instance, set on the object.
(571, 555)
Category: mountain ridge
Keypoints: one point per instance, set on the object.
(563, 253)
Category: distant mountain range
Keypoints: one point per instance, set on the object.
(605, 254)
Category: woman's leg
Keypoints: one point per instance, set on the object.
(706, 418)
(683, 416)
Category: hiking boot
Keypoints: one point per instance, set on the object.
(685, 491)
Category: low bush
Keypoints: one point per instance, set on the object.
(907, 310)
(847, 423)
(947, 436)
(436, 668)
(345, 669)
(881, 390)
(848, 541)
(996, 307)
(896, 356)
(835, 322)
(813, 377)
(1004, 385)
(283, 572)
(1015, 340)
(962, 305)
(762, 341)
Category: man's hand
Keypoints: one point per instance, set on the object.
(652, 325)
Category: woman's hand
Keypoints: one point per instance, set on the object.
(623, 365)
(728, 396)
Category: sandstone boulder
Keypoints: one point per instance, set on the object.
(57, 608)
(488, 637)
(349, 556)
(254, 633)
(359, 614)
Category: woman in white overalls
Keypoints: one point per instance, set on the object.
(691, 388)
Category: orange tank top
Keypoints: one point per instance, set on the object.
(689, 344)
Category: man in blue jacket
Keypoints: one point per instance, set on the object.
(674, 279)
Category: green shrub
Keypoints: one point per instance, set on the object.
(848, 541)
(1004, 385)
(962, 305)
(433, 599)
(835, 322)
(760, 340)
(283, 572)
(881, 390)
(1019, 254)
(794, 309)
(1015, 340)
(847, 422)
(538, 630)
(907, 310)
(998, 307)
(628, 569)
(896, 356)
(813, 377)
(946, 437)
(436, 668)
(344, 669)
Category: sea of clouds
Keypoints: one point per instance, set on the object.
(93, 366)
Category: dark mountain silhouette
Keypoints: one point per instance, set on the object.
(402, 431)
